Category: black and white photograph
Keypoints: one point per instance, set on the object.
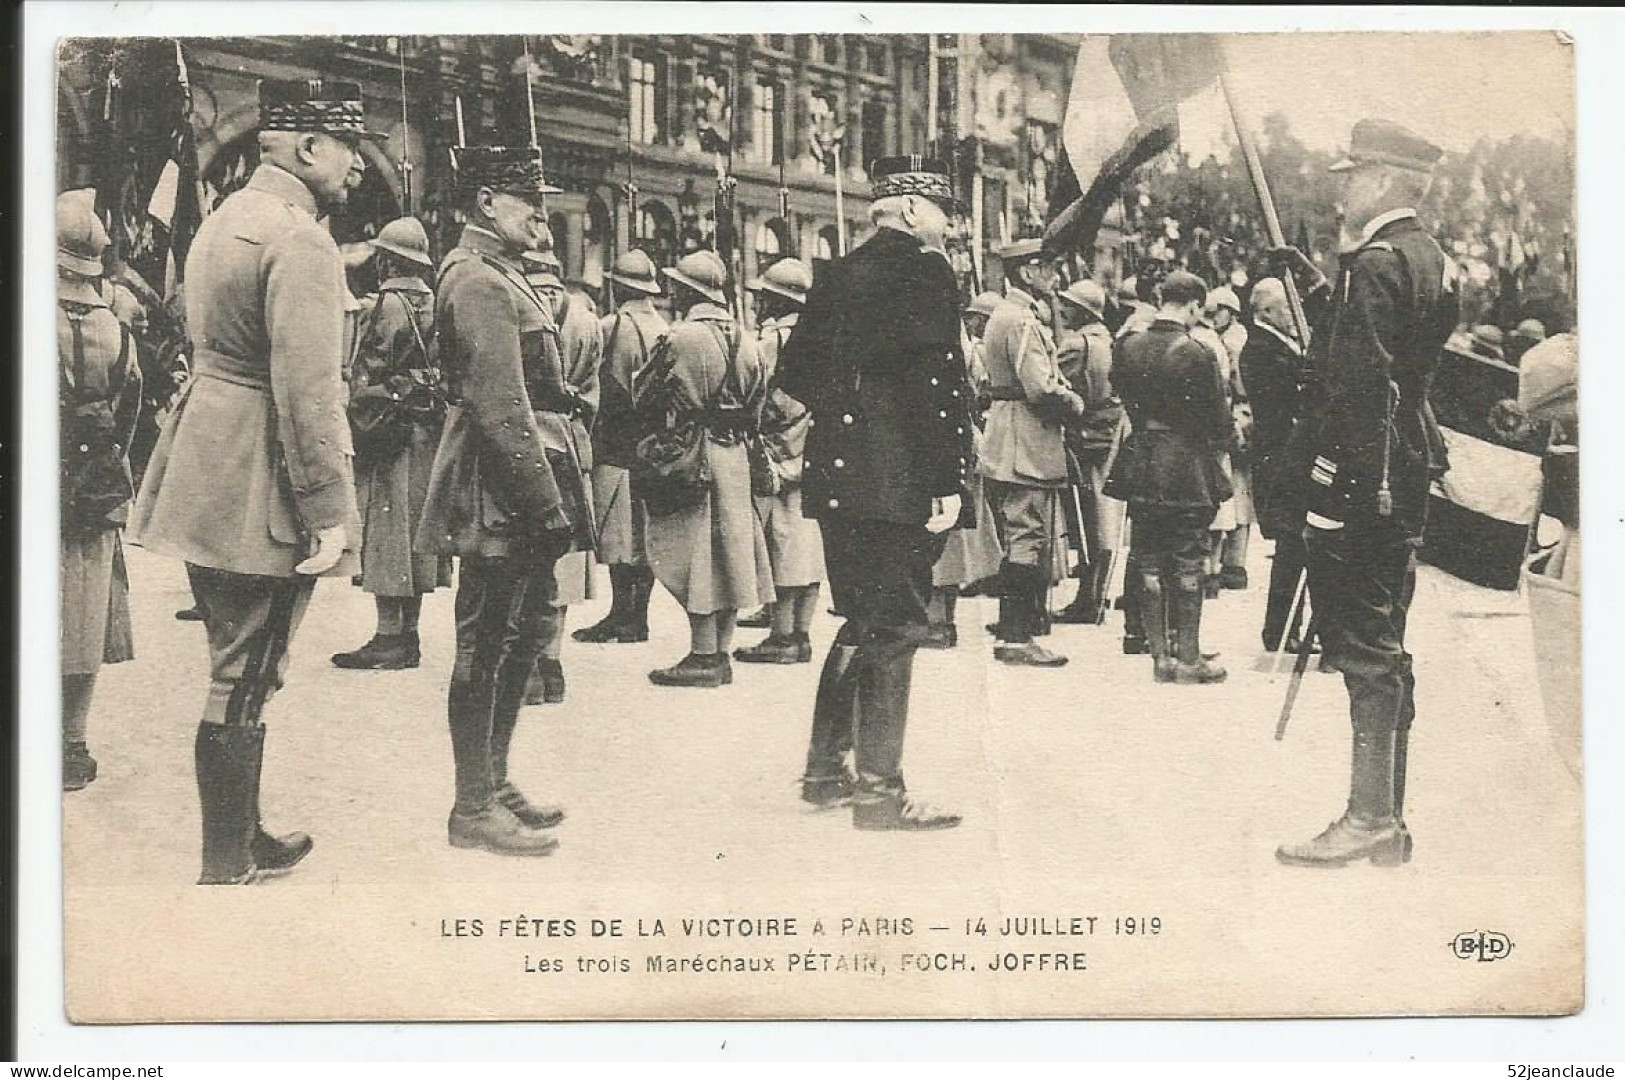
(752, 525)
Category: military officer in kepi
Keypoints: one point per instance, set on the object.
(702, 393)
(878, 358)
(396, 412)
(629, 334)
(581, 347)
(1169, 472)
(794, 544)
(1023, 453)
(1370, 450)
(251, 482)
(503, 494)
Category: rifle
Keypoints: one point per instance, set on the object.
(406, 132)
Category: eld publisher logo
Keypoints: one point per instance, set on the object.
(1481, 945)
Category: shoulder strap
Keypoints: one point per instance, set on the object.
(417, 328)
(74, 376)
(564, 310)
(519, 279)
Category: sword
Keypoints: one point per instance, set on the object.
(1292, 687)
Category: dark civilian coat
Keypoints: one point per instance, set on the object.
(1180, 418)
(877, 357)
(1273, 370)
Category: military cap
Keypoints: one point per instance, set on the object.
(1383, 142)
(912, 174)
(80, 236)
(984, 303)
(703, 272)
(1027, 250)
(1088, 295)
(789, 278)
(405, 237)
(328, 106)
(1531, 330)
(516, 170)
(636, 271)
(1225, 297)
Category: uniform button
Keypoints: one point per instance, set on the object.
(933, 380)
(959, 431)
(847, 419)
(83, 449)
(956, 393)
(516, 401)
(839, 464)
(833, 503)
(943, 414)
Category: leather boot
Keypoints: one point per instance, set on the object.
(1012, 625)
(274, 854)
(636, 628)
(546, 683)
(773, 650)
(1081, 611)
(78, 767)
(882, 804)
(530, 815)
(497, 830)
(826, 783)
(1152, 600)
(228, 760)
(609, 627)
(1368, 829)
(1191, 667)
(707, 671)
(1134, 639)
(385, 652)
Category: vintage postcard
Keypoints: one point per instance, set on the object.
(764, 525)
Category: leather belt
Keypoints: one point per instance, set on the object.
(230, 369)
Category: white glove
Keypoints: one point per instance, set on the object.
(944, 512)
(329, 550)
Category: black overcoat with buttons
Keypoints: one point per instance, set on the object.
(877, 357)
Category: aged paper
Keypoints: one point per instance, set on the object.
(1117, 854)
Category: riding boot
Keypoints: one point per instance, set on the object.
(1191, 667)
(621, 589)
(827, 782)
(1134, 639)
(1152, 603)
(227, 758)
(1368, 829)
(274, 854)
(1012, 624)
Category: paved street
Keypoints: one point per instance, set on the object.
(1088, 787)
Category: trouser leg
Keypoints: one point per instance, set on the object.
(806, 608)
(391, 615)
(411, 613)
(1234, 551)
(76, 694)
(702, 634)
(834, 708)
(785, 611)
(1286, 569)
(528, 617)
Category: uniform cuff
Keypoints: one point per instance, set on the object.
(329, 505)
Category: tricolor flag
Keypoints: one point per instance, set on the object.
(1122, 112)
(1482, 511)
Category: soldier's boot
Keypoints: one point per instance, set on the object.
(273, 854)
(478, 820)
(882, 804)
(1082, 608)
(827, 783)
(1233, 562)
(1135, 642)
(1191, 665)
(636, 628)
(622, 592)
(1369, 828)
(227, 759)
(505, 791)
(546, 684)
(385, 652)
(774, 649)
(1012, 606)
(78, 767)
(707, 670)
(1152, 602)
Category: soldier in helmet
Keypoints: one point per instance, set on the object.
(396, 411)
(704, 390)
(100, 396)
(629, 334)
(504, 495)
(1227, 562)
(251, 482)
(878, 357)
(1086, 361)
(1370, 450)
(581, 347)
(1168, 471)
(793, 542)
(1525, 336)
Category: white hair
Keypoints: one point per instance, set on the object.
(889, 207)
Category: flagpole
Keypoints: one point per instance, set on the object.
(840, 201)
(530, 102)
(1266, 202)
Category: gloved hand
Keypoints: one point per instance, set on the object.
(329, 549)
(944, 513)
(1287, 259)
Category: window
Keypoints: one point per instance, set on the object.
(874, 131)
(877, 57)
(644, 98)
(765, 130)
(831, 48)
(769, 244)
(776, 42)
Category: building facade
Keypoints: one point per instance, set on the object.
(636, 130)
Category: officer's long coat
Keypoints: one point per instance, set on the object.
(629, 337)
(390, 491)
(878, 356)
(1272, 367)
(1019, 446)
(256, 458)
(711, 556)
(493, 490)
